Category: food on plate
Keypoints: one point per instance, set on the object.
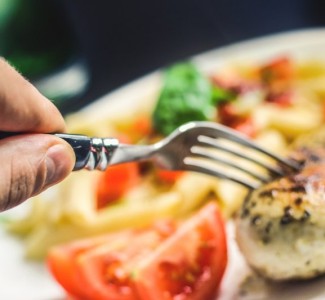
(273, 101)
(115, 182)
(280, 227)
(167, 260)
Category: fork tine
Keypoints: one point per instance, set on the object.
(202, 153)
(213, 143)
(217, 130)
(197, 166)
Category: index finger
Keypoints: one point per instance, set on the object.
(22, 107)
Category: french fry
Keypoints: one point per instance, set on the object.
(230, 196)
(138, 214)
(193, 189)
(111, 219)
(77, 199)
(291, 122)
(296, 121)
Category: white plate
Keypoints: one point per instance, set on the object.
(22, 280)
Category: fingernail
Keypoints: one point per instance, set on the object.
(58, 162)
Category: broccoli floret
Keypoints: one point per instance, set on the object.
(187, 95)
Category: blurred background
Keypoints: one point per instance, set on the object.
(77, 51)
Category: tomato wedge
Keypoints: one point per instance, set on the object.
(230, 117)
(188, 265)
(104, 273)
(115, 182)
(168, 176)
(279, 69)
(142, 127)
(62, 262)
(169, 260)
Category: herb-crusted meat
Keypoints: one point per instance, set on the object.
(281, 225)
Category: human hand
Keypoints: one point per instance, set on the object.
(31, 162)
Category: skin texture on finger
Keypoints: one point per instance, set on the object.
(31, 163)
(22, 107)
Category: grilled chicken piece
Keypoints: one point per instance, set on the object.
(281, 226)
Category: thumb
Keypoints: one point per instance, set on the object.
(30, 164)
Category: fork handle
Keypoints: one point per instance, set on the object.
(81, 146)
(91, 153)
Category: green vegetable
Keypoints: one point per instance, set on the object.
(186, 96)
(221, 95)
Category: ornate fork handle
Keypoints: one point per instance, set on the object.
(91, 153)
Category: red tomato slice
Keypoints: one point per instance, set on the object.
(188, 265)
(108, 270)
(102, 270)
(167, 261)
(283, 99)
(115, 182)
(281, 68)
(229, 117)
(61, 262)
(142, 126)
(246, 126)
(227, 113)
(168, 176)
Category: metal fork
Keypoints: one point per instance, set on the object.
(204, 147)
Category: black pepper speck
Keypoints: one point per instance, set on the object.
(256, 220)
